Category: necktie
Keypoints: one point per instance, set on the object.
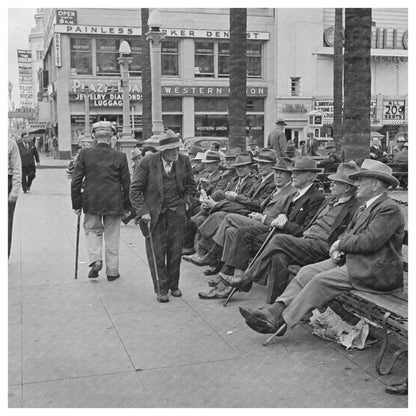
(168, 168)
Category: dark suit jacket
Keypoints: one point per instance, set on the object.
(341, 221)
(106, 184)
(257, 194)
(373, 246)
(146, 191)
(301, 212)
(28, 156)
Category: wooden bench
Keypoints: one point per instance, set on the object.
(387, 316)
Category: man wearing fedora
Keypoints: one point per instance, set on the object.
(103, 174)
(283, 250)
(367, 256)
(227, 242)
(160, 193)
(277, 139)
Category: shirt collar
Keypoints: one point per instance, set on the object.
(264, 178)
(302, 191)
(371, 200)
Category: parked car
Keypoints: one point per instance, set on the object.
(205, 142)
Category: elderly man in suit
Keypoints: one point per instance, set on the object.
(28, 156)
(160, 193)
(100, 187)
(328, 223)
(367, 256)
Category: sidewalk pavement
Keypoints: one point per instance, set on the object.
(94, 343)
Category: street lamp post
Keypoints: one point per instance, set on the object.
(126, 140)
(86, 140)
(155, 36)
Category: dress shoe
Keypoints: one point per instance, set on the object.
(214, 281)
(176, 293)
(214, 270)
(95, 268)
(111, 278)
(262, 321)
(187, 251)
(215, 294)
(200, 260)
(163, 298)
(400, 389)
(241, 281)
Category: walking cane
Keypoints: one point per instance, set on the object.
(259, 251)
(77, 246)
(152, 249)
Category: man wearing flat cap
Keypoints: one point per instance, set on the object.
(367, 256)
(104, 175)
(277, 139)
(160, 193)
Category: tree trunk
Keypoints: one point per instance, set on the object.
(237, 102)
(146, 79)
(338, 75)
(357, 84)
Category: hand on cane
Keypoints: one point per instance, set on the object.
(145, 218)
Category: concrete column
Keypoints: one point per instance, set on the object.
(63, 119)
(188, 121)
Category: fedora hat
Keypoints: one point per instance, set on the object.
(306, 164)
(375, 169)
(401, 139)
(290, 150)
(199, 156)
(266, 156)
(211, 157)
(243, 159)
(343, 172)
(284, 164)
(168, 140)
(135, 153)
(281, 122)
(232, 152)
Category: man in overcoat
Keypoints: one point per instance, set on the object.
(100, 187)
(367, 256)
(161, 192)
(28, 155)
(277, 139)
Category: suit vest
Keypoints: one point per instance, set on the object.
(171, 198)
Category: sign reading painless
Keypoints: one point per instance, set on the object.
(66, 17)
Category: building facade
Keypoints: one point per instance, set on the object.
(289, 70)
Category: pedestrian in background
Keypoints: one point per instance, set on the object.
(14, 177)
(277, 139)
(105, 198)
(161, 193)
(28, 155)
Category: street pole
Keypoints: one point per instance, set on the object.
(155, 36)
(126, 141)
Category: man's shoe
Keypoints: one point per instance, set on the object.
(214, 270)
(262, 321)
(111, 278)
(214, 281)
(95, 268)
(241, 281)
(176, 293)
(215, 294)
(163, 298)
(198, 260)
(400, 389)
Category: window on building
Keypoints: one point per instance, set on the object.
(39, 55)
(81, 56)
(170, 57)
(136, 54)
(204, 59)
(254, 59)
(107, 54)
(295, 86)
(223, 59)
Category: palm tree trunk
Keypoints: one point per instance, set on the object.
(238, 79)
(338, 81)
(357, 86)
(146, 79)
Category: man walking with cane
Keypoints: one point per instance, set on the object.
(160, 194)
(104, 200)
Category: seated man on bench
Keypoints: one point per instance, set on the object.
(366, 257)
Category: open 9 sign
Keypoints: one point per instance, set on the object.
(393, 110)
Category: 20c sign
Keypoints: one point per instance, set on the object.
(393, 110)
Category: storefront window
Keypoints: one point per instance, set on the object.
(107, 54)
(136, 54)
(254, 59)
(173, 122)
(211, 125)
(204, 59)
(223, 59)
(170, 58)
(171, 104)
(255, 127)
(81, 56)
